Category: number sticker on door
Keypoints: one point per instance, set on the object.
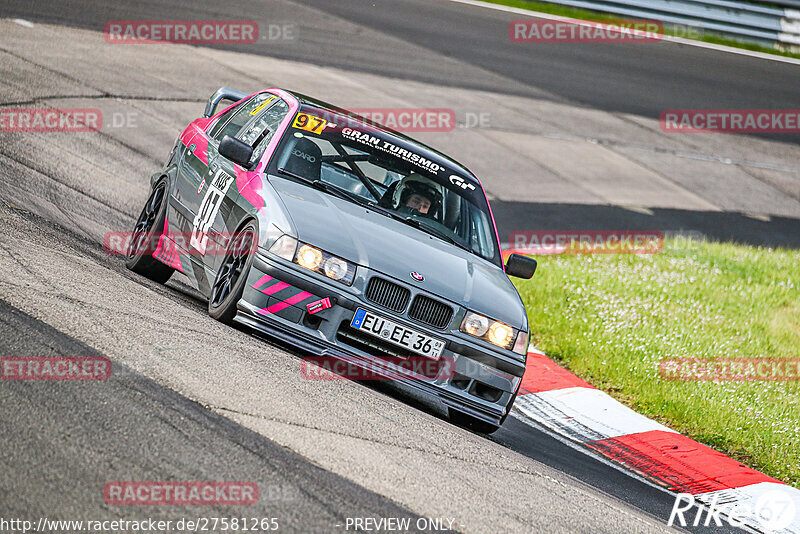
(309, 123)
(209, 209)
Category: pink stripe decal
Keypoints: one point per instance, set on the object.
(275, 308)
(261, 281)
(194, 133)
(274, 288)
(202, 146)
(264, 311)
(291, 301)
(167, 250)
(300, 297)
(249, 186)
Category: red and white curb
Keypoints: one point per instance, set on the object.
(553, 397)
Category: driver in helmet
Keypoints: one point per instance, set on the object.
(415, 193)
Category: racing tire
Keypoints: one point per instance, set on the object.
(146, 232)
(231, 277)
(467, 421)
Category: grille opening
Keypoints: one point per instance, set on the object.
(387, 351)
(311, 321)
(387, 294)
(431, 312)
(487, 393)
(460, 381)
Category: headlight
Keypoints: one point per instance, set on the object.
(521, 345)
(494, 332)
(284, 247)
(335, 268)
(324, 263)
(309, 257)
(500, 334)
(475, 325)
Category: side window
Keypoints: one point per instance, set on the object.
(240, 116)
(480, 239)
(223, 120)
(260, 131)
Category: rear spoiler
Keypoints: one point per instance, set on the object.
(223, 93)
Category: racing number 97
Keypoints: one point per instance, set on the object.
(309, 123)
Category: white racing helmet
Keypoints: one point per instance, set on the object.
(417, 184)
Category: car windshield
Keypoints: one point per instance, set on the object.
(363, 164)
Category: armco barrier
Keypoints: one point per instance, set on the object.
(778, 26)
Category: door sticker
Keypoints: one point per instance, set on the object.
(309, 123)
(209, 209)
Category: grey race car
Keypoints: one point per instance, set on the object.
(346, 239)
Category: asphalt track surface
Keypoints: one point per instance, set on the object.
(447, 44)
(640, 79)
(190, 399)
(57, 449)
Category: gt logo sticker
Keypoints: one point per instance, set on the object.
(459, 182)
(209, 209)
(309, 123)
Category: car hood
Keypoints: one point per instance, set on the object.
(395, 249)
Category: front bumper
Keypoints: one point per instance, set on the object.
(479, 382)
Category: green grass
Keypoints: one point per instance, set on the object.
(583, 14)
(612, 318)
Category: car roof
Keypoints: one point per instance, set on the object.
(417, 145)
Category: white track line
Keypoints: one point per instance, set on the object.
(594, 411)
(669, 38)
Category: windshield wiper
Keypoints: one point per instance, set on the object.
(436, 233)
(324, 186)
(416, 223)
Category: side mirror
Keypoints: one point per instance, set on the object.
(520, 266)
(235, 150)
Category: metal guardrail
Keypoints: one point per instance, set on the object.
(742, 20)
(786, 3)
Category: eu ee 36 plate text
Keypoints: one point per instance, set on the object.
(397, 334)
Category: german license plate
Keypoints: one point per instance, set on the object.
(397, 334)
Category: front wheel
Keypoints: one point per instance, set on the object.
(232, 275)
(145, 235)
